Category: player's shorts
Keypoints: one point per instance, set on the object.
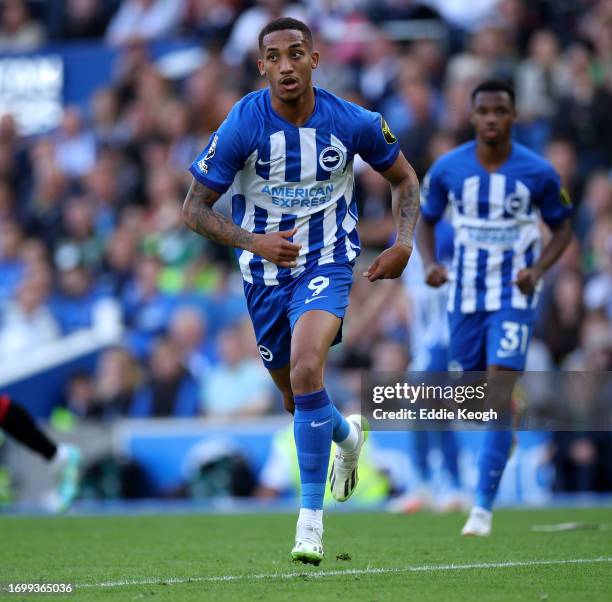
(490, 338)
(274, 310)
(431, 359)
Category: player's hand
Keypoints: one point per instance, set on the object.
(275, 247)
(435, 275)
(526, 280)
(390, 263)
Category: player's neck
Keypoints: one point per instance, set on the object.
(297, 112)
(492, 157)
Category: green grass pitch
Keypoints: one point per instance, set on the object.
(246, 557)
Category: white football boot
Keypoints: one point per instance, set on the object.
(479, 523)
(344, 476)
(308, 543)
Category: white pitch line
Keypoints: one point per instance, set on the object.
(424, 568)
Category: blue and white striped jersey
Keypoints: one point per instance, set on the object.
(283, 176)
(429, 321)
(495, 218)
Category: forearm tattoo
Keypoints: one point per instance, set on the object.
(200, 216)
(407, 199)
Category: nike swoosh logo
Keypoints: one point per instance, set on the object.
(315, 425)
(314, 298)
(264, 163)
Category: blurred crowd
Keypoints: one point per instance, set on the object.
(90, 214)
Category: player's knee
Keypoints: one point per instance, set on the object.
(306, 374)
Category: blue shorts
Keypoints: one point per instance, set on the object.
(431, 359)
(490, 338)
(274, 310)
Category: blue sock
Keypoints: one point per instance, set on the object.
(493, 457)
(420, 444)
(312, 429)
(450, 452)
(341, 426)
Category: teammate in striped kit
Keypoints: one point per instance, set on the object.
(287, 154)
(429, 340)
(497, 190)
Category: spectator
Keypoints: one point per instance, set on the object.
(27, 321)
(380, 68)
(109, 394)
(77, 304)
(541, 80)
(18, 31)
(78, 237)
(489, 55)
(104, 107)
(562, 154)
(582, 114)
(563, 315)
(144, 20)
(595, 350)
(118, 263)
(82, 19)
(596, 204)
(210, 20)
(243, 39)
(188, 332)
(239, 385)
(75, 147)
(147, 309)
(598, 292)
(170, 390)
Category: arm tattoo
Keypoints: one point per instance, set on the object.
(406, 198)
(200, 216)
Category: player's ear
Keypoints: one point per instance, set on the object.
(260, 66)
(314, 59)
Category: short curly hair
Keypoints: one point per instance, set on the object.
(282, 24)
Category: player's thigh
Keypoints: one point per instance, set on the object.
(313, 335)
(467, 346)
(508, 335)
(318, 304)
(268, 307)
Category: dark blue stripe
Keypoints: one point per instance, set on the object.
(323, 141)
(264, 156)
(529, 258)
(287, 223)
(459, 288)
(293, 155)
(482, 202)
(510, 186)
(340, 244)
(238, 208)
(315, 237)
(506, 277)
(238, 211)
(256, 264)
(354, 238)
(459, 201)
(481, 274)
(353, 210)
(353, 234)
